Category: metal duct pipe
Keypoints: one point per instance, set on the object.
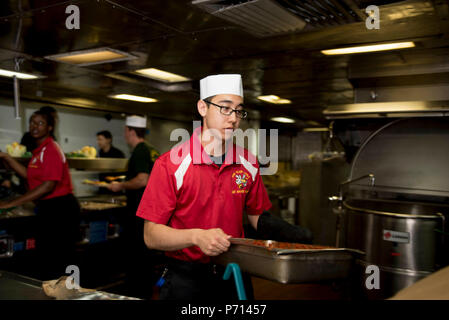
(16, 98)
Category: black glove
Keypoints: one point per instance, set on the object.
(270, 227)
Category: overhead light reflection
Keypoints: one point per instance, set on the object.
(161, 75)
(283, 120)
(19, 75)
(132, 98)
(369, 48)
(274, 99)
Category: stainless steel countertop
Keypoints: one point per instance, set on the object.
(17, 287)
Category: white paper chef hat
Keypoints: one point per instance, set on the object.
(136, 122)
(221, 84)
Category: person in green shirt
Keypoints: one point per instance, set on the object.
(139, 278)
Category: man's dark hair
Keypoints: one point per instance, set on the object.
(198, 117)
(105, 133)
(208, 99)
(140, 132)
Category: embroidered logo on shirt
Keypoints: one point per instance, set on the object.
(240, 178)
(33, 163)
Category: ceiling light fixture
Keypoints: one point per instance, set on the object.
(370, 48)
(92, 56)
(387, 109)
(77, 101)
(131, 97)
(161, 75)
(19, 75)
(315, 129)
(274, 99)
(282, 119)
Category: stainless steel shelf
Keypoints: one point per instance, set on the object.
(99, 164)
(114, 164)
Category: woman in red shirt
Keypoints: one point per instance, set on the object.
(50, 187)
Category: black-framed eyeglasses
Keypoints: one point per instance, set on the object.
(37, 124)
(227, 111)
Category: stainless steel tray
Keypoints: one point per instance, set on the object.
(101, 203)
(289, 265)
(17, 287)
(100, 206)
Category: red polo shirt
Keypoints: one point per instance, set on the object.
(49, 164)
(187, 190)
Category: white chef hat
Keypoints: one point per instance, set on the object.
(221, 84)
(136, 121)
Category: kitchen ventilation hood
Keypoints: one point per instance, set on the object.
(397, 109)
(261, 18)
(265, 18)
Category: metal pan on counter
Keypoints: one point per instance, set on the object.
(102, 202)
(99, 206)
(18, 287)
(288, 262)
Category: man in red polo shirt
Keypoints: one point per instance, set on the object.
(197, 193)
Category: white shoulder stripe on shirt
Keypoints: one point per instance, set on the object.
(181, 171)
(248, 166)
(60, 150)
(42, 154)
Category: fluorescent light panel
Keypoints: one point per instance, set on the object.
(19, 75)
(387, 109)
(369, 48)
(315, 129)
(92, 56)
(161, 75)
(274, 99)
(78, 101)
(283, 120)
(131, 97)
(381, 107)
